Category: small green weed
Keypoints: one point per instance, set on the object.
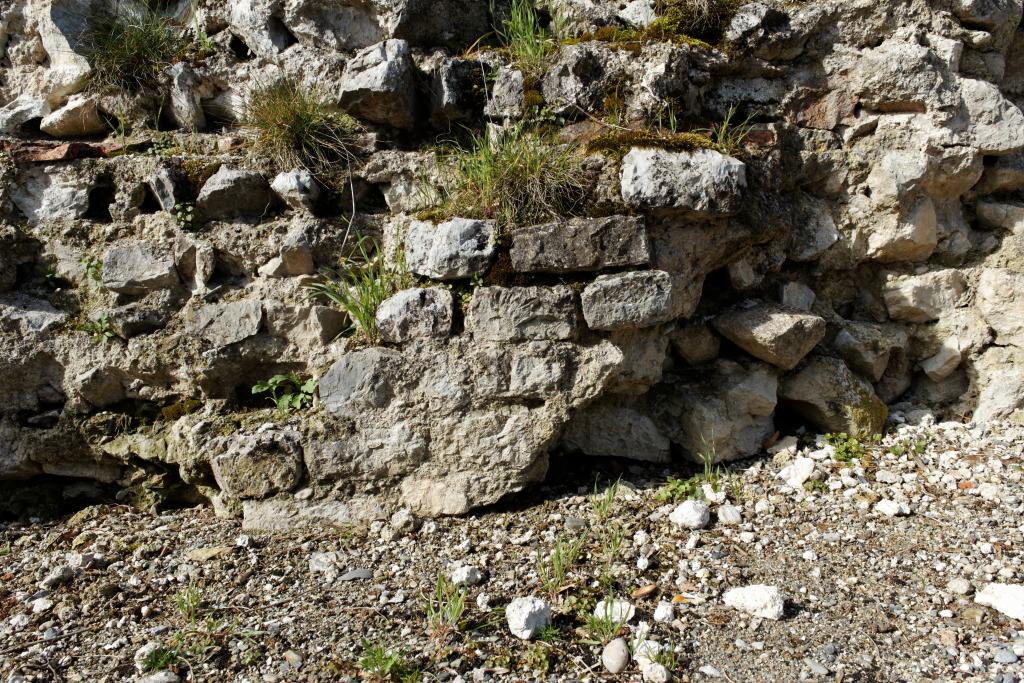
(564, 556)
(444, 608)
(288, 392)
(524, 39)
(361, 283)
(670, 659)
(161, 659)
(603, 502)
(677, 490)
(93, 268)
(815, 486)
(381, 665)
(603, 628)
(849, 447)
(188, 601)
(729, 136)
(5, 550)
(185, 216)
(100, 329)
(537, 658)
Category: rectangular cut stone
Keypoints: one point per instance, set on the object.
(581, 245)
(522, 314)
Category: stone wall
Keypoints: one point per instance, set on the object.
(864, 249)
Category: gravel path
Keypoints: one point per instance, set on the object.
(880, 560)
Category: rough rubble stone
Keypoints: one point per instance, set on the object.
(695, 343)
(912, 237)
(506, 96)
(868, 347)
(580, 245)
(137, 267)
(702, 183)
(723, 410)
(611, 429)
(17, 114)
(361, 380)
(415, 313)
(378, 84)
(832, 398)
(766, 602)
(771, 333)
(691, 514)
(527, 616)
(522, 314)
(230, 323)
(259, 466)
(1000, 298)
(635, 299)
(186, 105)
(297, 188)
(1005, 174)
(580, 77)
(80, 117)
(49, 193)
(232, 192)
(457, 249)
(996, 125)
(922, 298)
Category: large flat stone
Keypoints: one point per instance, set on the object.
(772, 333)
(700, 183)
(636, 299)
(457, 249)
(138, 267)
(522, 314)
(581, 245)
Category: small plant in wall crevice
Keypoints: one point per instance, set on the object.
(288, 392)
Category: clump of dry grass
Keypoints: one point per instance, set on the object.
(129, 44)
(518, 178)
(297, 127)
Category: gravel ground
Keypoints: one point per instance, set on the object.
(879, 558)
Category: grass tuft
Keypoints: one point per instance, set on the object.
(518, 179)
(296, 127)
(129, 44)
(444, 608)
(381, 665)
(524, 39)
(554, 572)
(361, 283)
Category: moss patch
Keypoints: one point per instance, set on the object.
(619, 143)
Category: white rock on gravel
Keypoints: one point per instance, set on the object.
(758, 600)
(959, 586)
(618, 611)
(730, 514)
(691, 514)
(656, 673)
(797, 472)
(664, 612)
(527, 616)
(890, 508)
(1003, 597)
(467, 576)
(615, 656)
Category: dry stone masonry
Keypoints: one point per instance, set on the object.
(862, 246)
